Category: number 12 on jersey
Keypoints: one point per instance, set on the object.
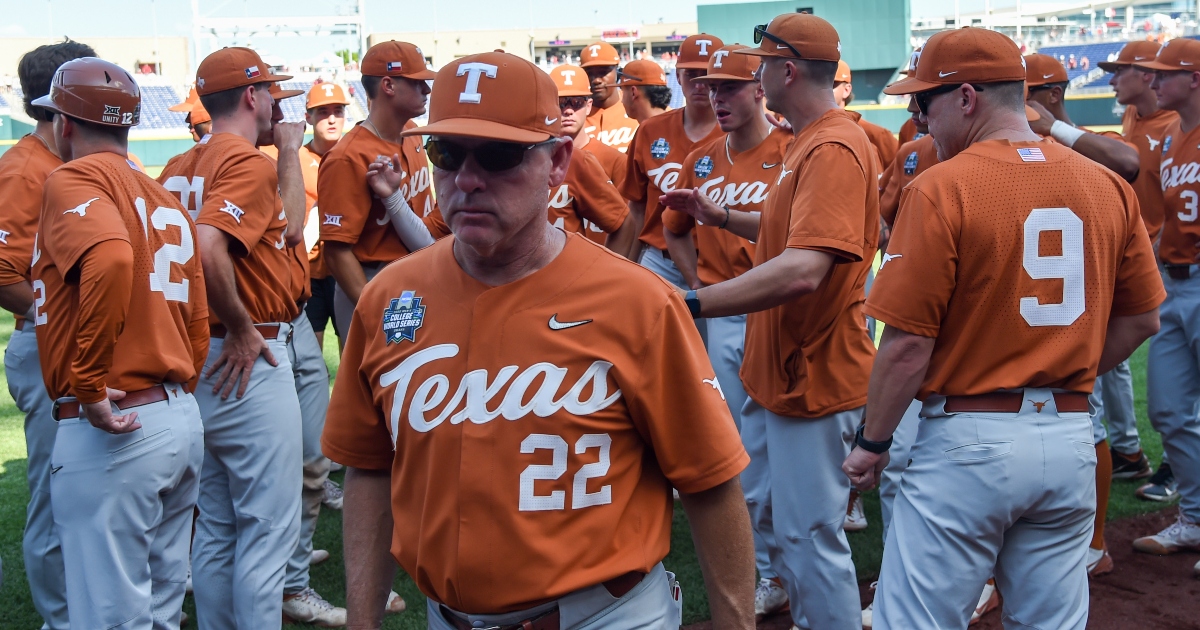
(1068, 267)
(162, 218)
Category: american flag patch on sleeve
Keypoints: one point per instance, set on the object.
(1031, 155)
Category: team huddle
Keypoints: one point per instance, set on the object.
(591, 302)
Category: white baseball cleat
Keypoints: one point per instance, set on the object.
(769, 598)
(989, 600)
(856, 517)
(333, 496)
(1181, 535)
(309, 607)
(1099, 562)
(868, 613)
(334, 467)
(395, 604)
(318, 556)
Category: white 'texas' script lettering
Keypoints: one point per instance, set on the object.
(734, 194)
(666, 176)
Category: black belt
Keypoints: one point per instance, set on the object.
(1011, 402)
(549, 620)
(1179, 272)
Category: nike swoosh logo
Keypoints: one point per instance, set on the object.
(779, 47)
(943, 75)
(1186, 63)
(1140, 58)
(55, 469)
(1047, 76)
(557, 325)
(769, 166)
(550, 121)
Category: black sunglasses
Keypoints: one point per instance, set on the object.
(493, 157)
(760, 32)
(923, 98)
(573, 102)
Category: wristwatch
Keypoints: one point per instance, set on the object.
(878, 448)
(693, 303)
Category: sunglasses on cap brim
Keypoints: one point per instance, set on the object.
(760, 32)
(492, 157)
(923, 98)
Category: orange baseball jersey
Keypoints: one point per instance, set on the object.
(587, 202)
(912, 159)
(1148, 134)
(611, 126)
(611, 159)
(351, 213)
(812, 357)
(227, 183)
(23, 172)
(654, 158)
(1014, 255)
(522, 419)
(1180, 182)
(884, 142)
(299, 260)
(908, 132)
(737, 181)
(156, 331)
(310, 163)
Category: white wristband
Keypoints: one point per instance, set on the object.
(1065, 133)
(406, 223)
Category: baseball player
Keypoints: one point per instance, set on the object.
(609, 122)
(729, 175)
(909, 131)
(1147, 126)
(884, 142)
(808, 355)
(250, 490)
(1173, 370)
(23, 171)
(198, 121)
(122, 320)
(644, 91)
(1021, 242)
(598, 399)
(657, 151)
(355, 226)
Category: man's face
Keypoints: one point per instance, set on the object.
(1042, 95)
(841, 92)
(773, 74)
(600, 78)
(694, 92)
(268, 136)
(575, 110)
(485, 210)
(265, 109)
(1130, 84)
(735, 103)
(947, 124)
(412, 96)
(327, 121)
(1173, 88)
(917, 119)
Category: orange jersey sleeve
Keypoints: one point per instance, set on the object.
(884, 142)
(241, 202)
(911, 160)
(613, 161)
(1149, 134)
(23, 172)
(587, 198)
(105, 285)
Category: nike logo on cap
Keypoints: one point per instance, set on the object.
(557, 325)
(1047, 76)
(1186, 63)
(550, 121)
(943, 75)
(780, 47)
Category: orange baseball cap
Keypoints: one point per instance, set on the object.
(326, 94)
(843, 72)
(1043, 70)
(396, 59)
(727, 67)
(810, 36)
(198, 114)
(965, 55)
(1176, 54)
(188, 103)
(1131, 54)
(231, 68)
(599, 54)
(279, 93)
(474, 97)
(696, 51)
(571, 80)
(641, 72)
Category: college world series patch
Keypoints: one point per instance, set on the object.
(403, 317)
(704, 166)
(660, 148)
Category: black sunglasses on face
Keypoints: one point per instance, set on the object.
(573, 102)
(493, 157)
(923, 98)
(760, 32)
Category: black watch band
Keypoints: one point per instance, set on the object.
(878, 448)
(693, 303)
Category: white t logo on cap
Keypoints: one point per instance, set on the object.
(566, 75)
(470, 93)
(718, 56)
(912, 62)
(704, 44)
(595, 48)
(328, 87)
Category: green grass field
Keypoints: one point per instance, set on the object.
(17, 613)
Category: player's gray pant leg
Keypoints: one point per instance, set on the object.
(805, 512)
(1096, 412)
(867, 291)
(1173, 386)
(656, 260)
(902, 441)
(343, 310)
(1116, 387)
(249, 522)
(312, 388)
(123, 505)
(41, 546)
(756, 486)
(1012, 491)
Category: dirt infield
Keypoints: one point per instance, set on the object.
(1144, 592)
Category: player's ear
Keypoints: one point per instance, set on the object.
(560, 160)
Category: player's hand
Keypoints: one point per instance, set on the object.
(289, 136)
(384, 176)
(778, 123)
(864, 468)
(238, 354)
(101, 416)
(691, 201)
(1044, 122)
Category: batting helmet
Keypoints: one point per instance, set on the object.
(94, 90)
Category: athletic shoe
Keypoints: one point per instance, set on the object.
(1130, 466)
(769, 598)
(335, 467)
(989, 600)
(395, 604)
(868, 613)
(1098, 562)
(1178, 536)
(183, 619)
(856, 517)
(309, 607)
(318, 556)
(1161, 486)
(333, 496)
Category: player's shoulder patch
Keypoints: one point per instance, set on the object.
(1031, 154)
(402, 318)
(910, 164)
(703, 167)
(1166, 145)
(660, 148)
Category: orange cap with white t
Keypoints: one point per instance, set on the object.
(571, 80)
(599, 54)
(326, 94)
(725, 66)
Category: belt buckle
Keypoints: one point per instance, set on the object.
(54, 410)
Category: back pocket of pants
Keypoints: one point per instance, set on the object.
(978, 452)
(144, 445)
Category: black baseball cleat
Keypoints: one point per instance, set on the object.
(1160, 487)
(1130, 466)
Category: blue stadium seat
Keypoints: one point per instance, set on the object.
(677, 97)
(293, 108)
(155, 115)
(1094, 52)
(360, 95)
(3, 102)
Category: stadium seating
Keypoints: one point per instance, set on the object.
(3, 101)
(676, 89)
(360, 95)
(293, 108)
(1094, 52)
(155, 115)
